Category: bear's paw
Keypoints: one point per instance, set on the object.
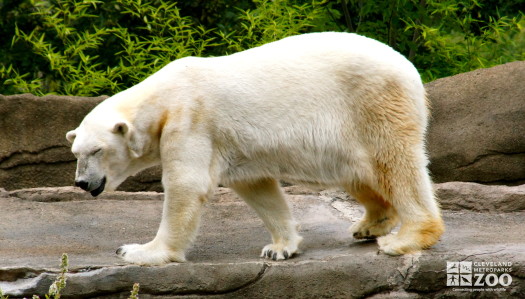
(282, 251)
(149, 254)
(366, 229)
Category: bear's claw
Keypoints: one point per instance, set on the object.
(366, 235)
(120, 252)
(273, 252)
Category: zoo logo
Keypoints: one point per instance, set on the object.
(470, 274)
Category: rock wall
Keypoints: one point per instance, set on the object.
(33, 148)
(33, 151)
(475, 135)
(477, 129)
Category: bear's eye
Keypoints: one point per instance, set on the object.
(96, 151)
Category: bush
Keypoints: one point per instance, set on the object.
(444, 38)
(272, 20)
(83, 52)
(91, 47)
(455, 39)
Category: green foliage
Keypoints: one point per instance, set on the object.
(60, 282)
(135, 291)
(272, 20)
(92, 47)
(83, 53)
(455, 39)
(443, 37)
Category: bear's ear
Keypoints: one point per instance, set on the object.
(70, 136)
(120, 128)
(136, 144)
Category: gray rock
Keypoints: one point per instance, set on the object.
(476, 131)
(3, 193)
(483, 198)
(224, 263)
(196, 278)
(33, 148)
(50, 194)
(451, 195)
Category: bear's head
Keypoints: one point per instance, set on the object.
(106, 153)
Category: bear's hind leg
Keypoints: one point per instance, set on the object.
(266, 198)
(421, 223)
(380, 216)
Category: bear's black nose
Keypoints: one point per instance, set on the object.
(82, 184)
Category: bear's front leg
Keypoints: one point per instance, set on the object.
(187, 186)
(178, 228)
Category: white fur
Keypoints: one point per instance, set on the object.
(306, 109)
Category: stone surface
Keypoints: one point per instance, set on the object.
(476, 131)
(36, 229)
(63, 194)
(477, 197)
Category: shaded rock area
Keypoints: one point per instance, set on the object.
(33, 148)
(475, 135)
(38, 225)
(476, 131)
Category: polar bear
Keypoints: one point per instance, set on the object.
(321, 109)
